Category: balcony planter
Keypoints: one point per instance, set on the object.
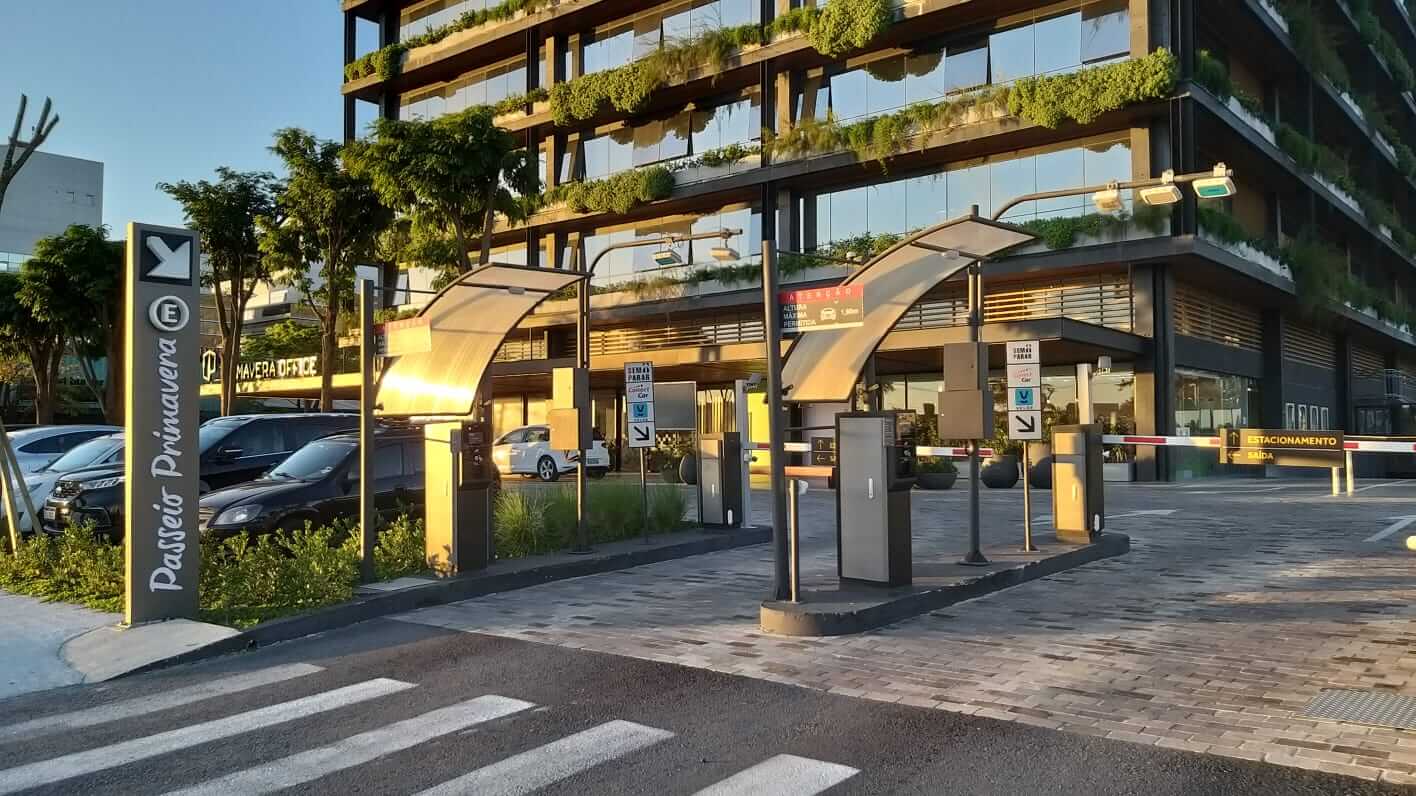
(934, 474)
(1000, 472)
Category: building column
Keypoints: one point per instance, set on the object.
(1153, 292)
(1344, 414)
(388, 34)
(351, 32)
(1271, 388)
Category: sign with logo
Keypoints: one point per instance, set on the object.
(259, 369)
(1282, 447)
(639, 397)
(819, 309)
(1024, 389)
(164, 371)
(823, 451)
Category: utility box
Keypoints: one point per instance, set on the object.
(459, 477)
(965, 403)
(875, 472)
(1078, 494)
(570, 397)
(720, 465)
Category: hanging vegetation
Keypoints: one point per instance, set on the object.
(1083, 96)
(618, 193)
(387, 62)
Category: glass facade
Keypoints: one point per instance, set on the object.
(904, 205)
(1096, 33)
(616, 45)
(637, 263)
(1204, 401)
(486, 86)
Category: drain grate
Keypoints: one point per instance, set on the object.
(1364, 707)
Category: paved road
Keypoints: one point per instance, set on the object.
(393, 708)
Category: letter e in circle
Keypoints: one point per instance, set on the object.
(168, 314)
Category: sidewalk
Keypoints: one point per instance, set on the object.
(32, 637)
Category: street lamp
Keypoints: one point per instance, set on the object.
(665, 257)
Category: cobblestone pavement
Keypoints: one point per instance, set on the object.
(1212, 635)
(31, 636)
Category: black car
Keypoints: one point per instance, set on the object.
(320, 483)
(233, 450)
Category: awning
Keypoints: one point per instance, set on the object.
(468, 321)
(823, 366)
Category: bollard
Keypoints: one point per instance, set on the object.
(794, 540)
(1336, 484)
(1351, 474)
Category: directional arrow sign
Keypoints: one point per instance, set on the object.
(172, 266)
(1401, 522)
(641, 435)
(1025, 425)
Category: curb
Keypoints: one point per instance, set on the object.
(797, 619)
(452, 590)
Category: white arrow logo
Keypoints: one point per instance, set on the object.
(1401, 522)
(170, 264)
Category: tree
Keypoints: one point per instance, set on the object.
(16, 155)
(330, 220)
(25, 334)
(225, 213)
(289, 338)
(78, 286)
(451, 176)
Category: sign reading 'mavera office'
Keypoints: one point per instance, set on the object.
(163, 382)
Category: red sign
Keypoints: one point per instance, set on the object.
(821, 308)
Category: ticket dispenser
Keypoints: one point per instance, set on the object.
(720, 479)
(458, 511)
(876, 471)
(1078, 495)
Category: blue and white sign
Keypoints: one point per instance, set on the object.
(641, 412)
(639, 394)
(1022, 399)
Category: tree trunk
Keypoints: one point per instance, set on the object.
(329, 352)
(114, 405)
(488, 224)
(43, 390)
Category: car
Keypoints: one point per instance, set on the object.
(104, 451)
(233, 450)
(37, 446)
(828, 314)
(527, 451)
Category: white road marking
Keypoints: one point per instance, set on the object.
(366, 747)
(1401, 522)
(1379, 486)
(546, 765)
(1144, 513)
(58, 769)
(783, 775)
(163, 700)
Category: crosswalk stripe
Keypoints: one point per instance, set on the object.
(363, 748)
(783, 775)
(78, 764)
(141, 706)
(545, 765)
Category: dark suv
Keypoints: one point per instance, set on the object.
(232, 449)
(320, 483)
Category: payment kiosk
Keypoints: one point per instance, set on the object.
(1078, 491)
(876, 471)
(458, 512)
(720, 479)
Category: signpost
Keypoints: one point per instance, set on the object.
(1024, 363)
(819, 309)
(639, 396)
(1284, 448)
(163, 374)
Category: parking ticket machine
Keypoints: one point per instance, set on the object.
(876, 471)
(458, 511)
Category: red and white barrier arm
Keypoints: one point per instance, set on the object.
(1137, 439)
(922, 450)
(1379, 446)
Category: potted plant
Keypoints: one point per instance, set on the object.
(935, 472)
(673, 448)
(1001, 469)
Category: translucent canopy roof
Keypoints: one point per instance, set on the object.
(467, 321)
(825, 365)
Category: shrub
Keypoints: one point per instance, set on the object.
(667, 506)
(1315, 41)
(1062, 232)
(1083, 96)
(847, 25)
(246, 581)
(618, 193)
(401, 549)
(936, 464)
(75, 568)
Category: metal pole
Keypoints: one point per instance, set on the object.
(1028, 546)
(644, 489)
(775, 422)
(368, 535)
(975, 556)
(1351, 475)
(8, 492)
(794, 521)
(1336, 481)
(582, 360)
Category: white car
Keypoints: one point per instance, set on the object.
(106, 450)
(38, 446)
(527, 451)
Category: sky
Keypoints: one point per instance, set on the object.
(168, 90)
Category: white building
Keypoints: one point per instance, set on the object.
(50, 193)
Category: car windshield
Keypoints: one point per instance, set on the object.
(212, 433)
(83, 455)
(313, 462)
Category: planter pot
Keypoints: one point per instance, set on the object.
(1000, 472)
(670, 472)
(1118, 471)
(688, 469)
(936, 480)
(1040, 473)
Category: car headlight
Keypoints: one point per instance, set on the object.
(102, 483)
(238, 515)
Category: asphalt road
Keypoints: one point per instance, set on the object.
(391, 707)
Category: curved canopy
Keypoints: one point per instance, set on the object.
(824, 365)
(467, 323)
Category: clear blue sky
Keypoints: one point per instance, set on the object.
(167, 90)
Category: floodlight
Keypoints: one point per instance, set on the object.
(666, 258)
(724, 254)
(1164, 194)
(1108, 200)
(1219, 186)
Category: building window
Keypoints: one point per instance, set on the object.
(634, 263)
(1205, 401)
(685, 134)
(482, 87)
(622, 43)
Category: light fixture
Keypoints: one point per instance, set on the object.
(1109, 199)
(1219, 186)
(1167, 193)
(1103, 364)
(666, 258)
(724, 254)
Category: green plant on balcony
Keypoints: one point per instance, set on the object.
(1213, 74)
(1083, 96)
(837, 28)
(618, 193)
(1377, 117)
(518, 102)
(1374, 34)
(1316, 158)
(388, 61)
(1316, 41)
(1062, 232)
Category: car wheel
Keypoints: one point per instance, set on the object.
(546, 469)
(598, 472)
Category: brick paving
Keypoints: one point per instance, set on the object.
(1212, 635)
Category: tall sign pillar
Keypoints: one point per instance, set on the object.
(163, 380)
